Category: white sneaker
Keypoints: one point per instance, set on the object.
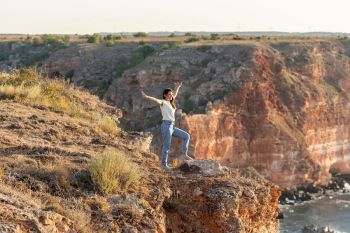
(185, 157)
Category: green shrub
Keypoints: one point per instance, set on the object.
(214, 36)
(112, 172)
(140, 34)
(165, 46)
(176, 44)
(69, 75)
(138, 56)
(236, 37)
(108, 37)
(94, 39)
(204, 48)
(192, 39)
(110, 43)
(172, 35)
(189, 34)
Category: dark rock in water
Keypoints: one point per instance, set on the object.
(312, 188)
(315, 229)
(280, 215)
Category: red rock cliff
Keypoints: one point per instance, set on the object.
(281, 107)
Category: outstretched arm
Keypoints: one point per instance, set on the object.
(177, 89)
(154, 100)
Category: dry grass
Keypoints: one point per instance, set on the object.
(80, 219)
(28, 87)
(108, 125)
(2, 172)
(112, 171)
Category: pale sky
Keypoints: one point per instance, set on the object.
(89, 16)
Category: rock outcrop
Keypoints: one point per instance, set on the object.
(227, 201)
(46, 185)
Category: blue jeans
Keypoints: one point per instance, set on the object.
(168, 130)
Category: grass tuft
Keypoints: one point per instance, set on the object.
(112, 172)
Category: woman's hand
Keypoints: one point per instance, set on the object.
(178, 84)
(154, 100)
(143, 94)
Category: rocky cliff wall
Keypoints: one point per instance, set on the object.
(281, 107)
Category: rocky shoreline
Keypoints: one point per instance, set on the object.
(338, 185)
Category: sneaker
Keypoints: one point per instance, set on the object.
(185, 157)
(167, 169)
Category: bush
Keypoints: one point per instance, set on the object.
(69, 75)
(118, 37)
(94, 39)
(110, 43)
(204, 48)
(214, 36)
(189, 34)
(139, 55)
(108, 125)
(108, 37)
(112, 171)
(140, 34)
(236, 37)
(192, 39)
(172, 35)
(165, 46)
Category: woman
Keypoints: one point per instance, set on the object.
(168, 107)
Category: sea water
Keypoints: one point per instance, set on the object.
(332, 210)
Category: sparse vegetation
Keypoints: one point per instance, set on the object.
(110, 43)
(27, 87)
(215, 36)
(204, 48)
(189, 34)
(112, 172)
(165, 46)
(94, 39)
(108, 125)
(69, 75)
(192, 39)
(140, 34)
(81, 221)
(2, 172)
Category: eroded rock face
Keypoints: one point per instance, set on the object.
(239, 201)
(18, 215)
(279, 107)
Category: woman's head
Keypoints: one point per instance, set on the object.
(169, 96)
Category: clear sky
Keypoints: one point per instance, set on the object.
(89, 16)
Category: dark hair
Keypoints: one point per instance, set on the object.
(172, 102)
